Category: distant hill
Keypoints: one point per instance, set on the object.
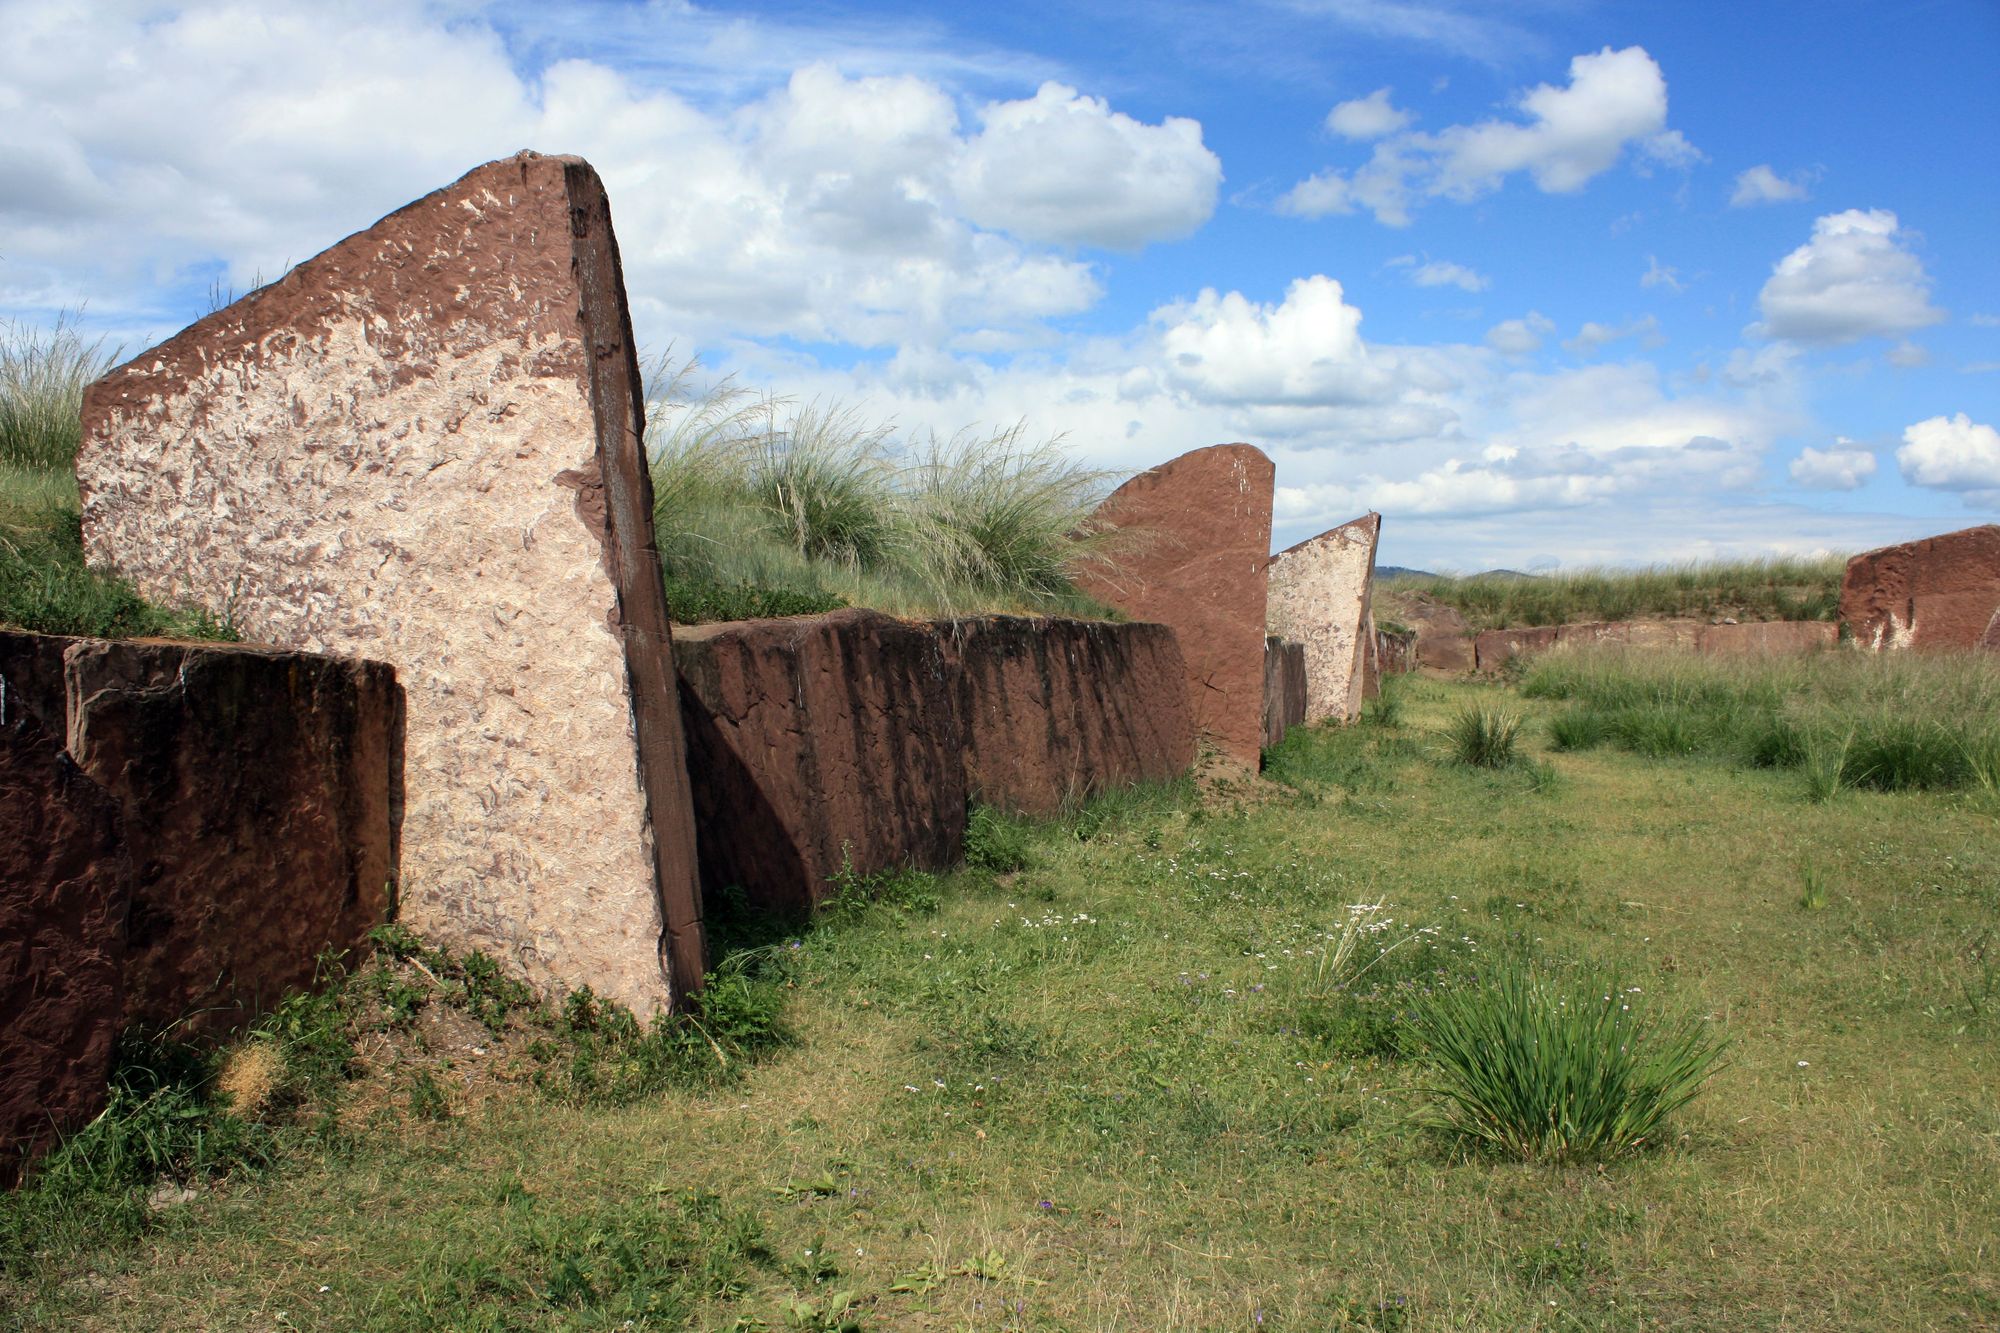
(1398, 572)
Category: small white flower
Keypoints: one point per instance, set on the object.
(1803, 1064)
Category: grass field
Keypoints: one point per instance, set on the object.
(1120, 1086)
(1777, 589)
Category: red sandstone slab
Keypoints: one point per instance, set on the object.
(1319, 598)
(1285, 688)
(1199, 538)
(260, 791)
(1880, 591)
(64, 881)
(422, 446)
(1768, 638)
(819, 744)
(1055, 710)
(1494, 648)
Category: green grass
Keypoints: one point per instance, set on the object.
(1774, 589)
(1484, 737)
(769, 507)
(1887, 721)
(1158, 1064)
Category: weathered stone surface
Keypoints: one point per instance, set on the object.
(1200, 538)
(64, 880)
(1924, 594)
(816, 743)
(1395, 652)
(1494, 648)
(1319, 598)
(1285, 688)
(1053, 710)
(1989, 642)
(1652, 634)
(422, 447)
(1443, 640)
(260, 792)
(1767, 638)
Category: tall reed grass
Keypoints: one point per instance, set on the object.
(767, 506)
(42, 377)
(1889, 721)
(1773, 589)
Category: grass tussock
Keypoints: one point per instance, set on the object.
(1885, 721)
(767, 507)
(1484, 737)
(1560, 1065)
(1783, 588)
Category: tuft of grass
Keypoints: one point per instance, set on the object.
(1484, 737)
(997, 841)
(43, 373)
(1554, 1066)
(763, 506)
(1579, 729)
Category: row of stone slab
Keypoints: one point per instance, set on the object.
(187, 829)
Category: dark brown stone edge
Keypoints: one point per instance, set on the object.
(633, 560)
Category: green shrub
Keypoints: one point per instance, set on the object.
(692, 603)
(996, 840)
(1484, 738)
(1538, 1064)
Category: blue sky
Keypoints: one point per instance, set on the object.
(1549, 282)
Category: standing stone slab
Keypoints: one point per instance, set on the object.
(819, 744)
(1285, 688)
(1199, 532)
(1938, 593)
(1320, 598)
(1056, 710)
(422, 446)
(64, 884)
(260, 791)
(1494, 648)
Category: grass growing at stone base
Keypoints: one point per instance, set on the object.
(1774, 589)
(1124, 1084)
(769, 507)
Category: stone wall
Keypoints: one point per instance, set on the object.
(422, 446)
(1494, 648)
(1286, 688)
(196, 824)
(1196, 540)
(854, 740)
(1319, 598)
(1054, 710)
(1936, 594)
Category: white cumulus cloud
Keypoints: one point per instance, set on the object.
(1441, 273)
(1593, 337)
(1519, 337)
(1562, 139)
(1369, 117)
(1067, 169)
(1761, 185)
(1952, 453)
(1841, 468)
(1854, 279)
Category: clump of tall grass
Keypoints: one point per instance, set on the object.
(1782, 588)
(762, 502)
(1483, 737)
(43, 373)
(1546, 1065)
(1886, 721)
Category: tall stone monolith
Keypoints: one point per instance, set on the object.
(1192, 538)
(1319, 598)
(423, 446)
(1938, 593)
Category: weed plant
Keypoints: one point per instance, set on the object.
(1776, 589)
(1484, 737)
(1886, 721)
(1557, 1065)
(764, 506)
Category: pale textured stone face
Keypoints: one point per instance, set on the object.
(411, 448)
(1319, 598)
